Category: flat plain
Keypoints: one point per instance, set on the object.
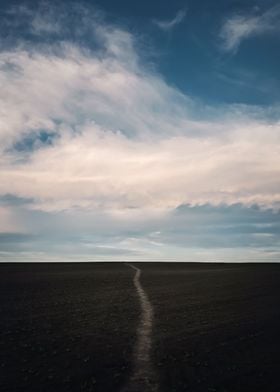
(73, 326)
(66, 327)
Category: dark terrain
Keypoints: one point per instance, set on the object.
(72, 327)
(66, 327)
(217, 327)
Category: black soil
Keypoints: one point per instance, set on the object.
(66, 327)
(72, 327)
(217, 327)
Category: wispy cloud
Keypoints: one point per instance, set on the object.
(237, 28)
(168, 25)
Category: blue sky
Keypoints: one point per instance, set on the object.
(189, 54)
(144, 131)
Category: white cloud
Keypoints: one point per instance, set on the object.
(168, 25)
(125, 149)
(240, 27)
(127, 143)
(99, 168)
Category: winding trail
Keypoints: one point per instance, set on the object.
(143, 378)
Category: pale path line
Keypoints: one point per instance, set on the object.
(143, 377)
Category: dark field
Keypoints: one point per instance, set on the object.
(217, 327)
(72, 327)
(66, 327)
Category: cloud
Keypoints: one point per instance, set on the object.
(96, 128)
(203, 233)
(240, 27)
(92, 166)
(97, 150)
(168, 25)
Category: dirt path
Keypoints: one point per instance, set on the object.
(143, 377)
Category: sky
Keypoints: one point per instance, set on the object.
(140, 130)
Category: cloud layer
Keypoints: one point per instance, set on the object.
(88, 133)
